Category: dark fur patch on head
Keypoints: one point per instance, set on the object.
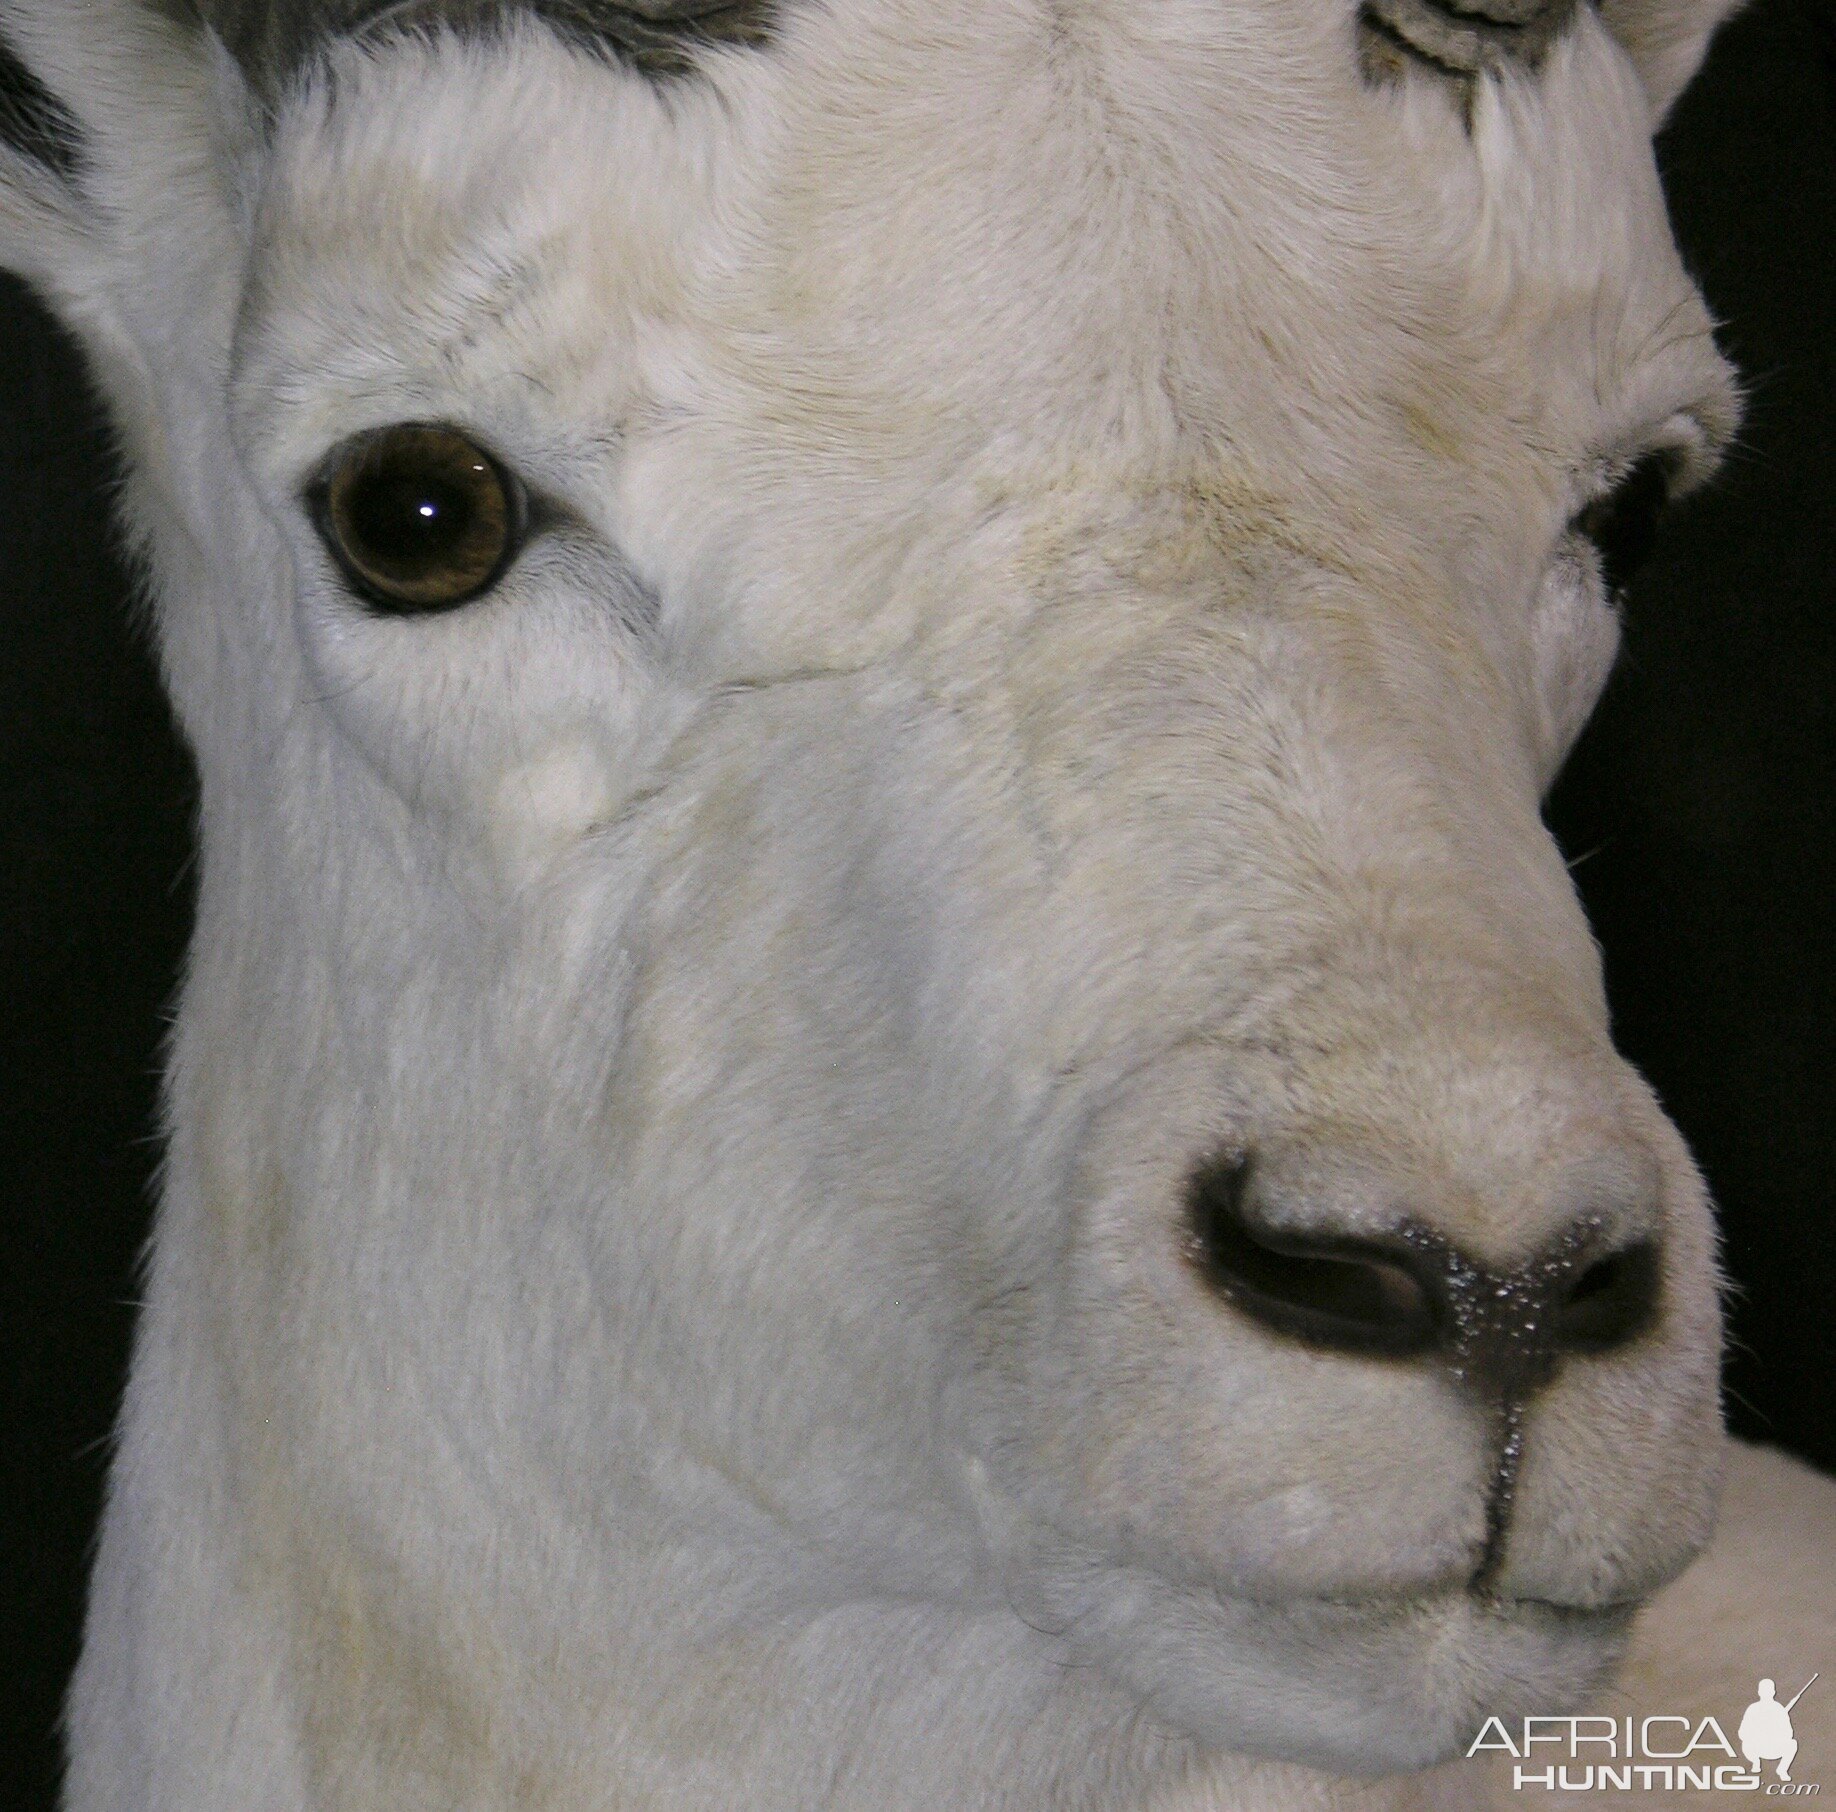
(34, 122)
(274, 39)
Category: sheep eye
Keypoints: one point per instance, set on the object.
(1623, 524)
(419, 516)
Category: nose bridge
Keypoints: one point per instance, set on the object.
(1265, 760)
(1461, 1122)
(1449, 905)
(1483, 1114)
(1294, 795)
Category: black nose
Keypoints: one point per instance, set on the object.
(1415, 1293)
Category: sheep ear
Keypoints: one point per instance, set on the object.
(113, 115)
(46, 221)
(1667, 39)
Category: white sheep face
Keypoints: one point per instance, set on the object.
(725, 1082)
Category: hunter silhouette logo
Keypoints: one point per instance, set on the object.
(1765, 1728)
(1667, 1753)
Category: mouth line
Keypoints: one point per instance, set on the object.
(1470, 1591)
(1556, 1607)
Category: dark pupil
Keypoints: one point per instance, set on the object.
(1623, 525)
(409, 518)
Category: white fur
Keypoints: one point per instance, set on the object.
(669, 1286)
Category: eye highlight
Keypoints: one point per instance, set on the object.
(1623, 524)
(420, 517)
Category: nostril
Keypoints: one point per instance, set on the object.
(1610, 1301)
(1334, 1292)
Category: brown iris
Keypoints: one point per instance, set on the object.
(420, 517)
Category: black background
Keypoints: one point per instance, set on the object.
(1698, 810)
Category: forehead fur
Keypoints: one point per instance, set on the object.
(1011, 264)
(1016, 206)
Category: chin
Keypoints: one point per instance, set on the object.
(1363, 1688)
